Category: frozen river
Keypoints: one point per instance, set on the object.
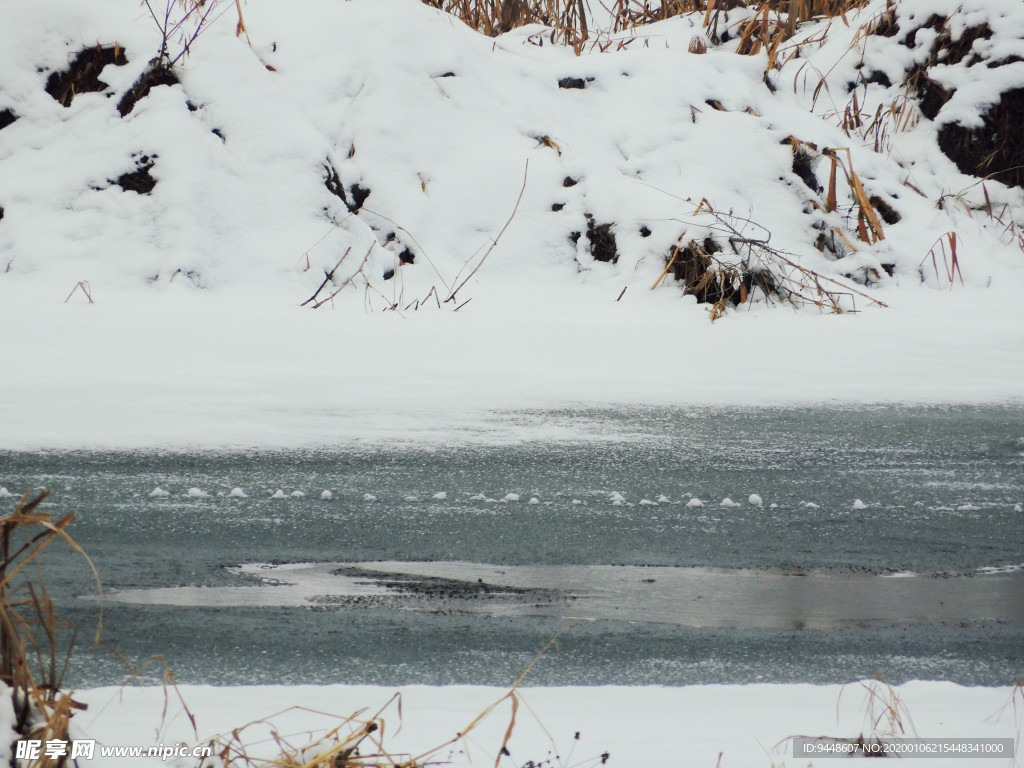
(683, 546)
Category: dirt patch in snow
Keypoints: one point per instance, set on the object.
(713, 281)
(353, 198)
(83, 73)
(155, 74)
(602, 241)
(140, 180)
(994, 150)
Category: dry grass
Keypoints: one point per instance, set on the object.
(566, 18)
(885, 717)
(360, 740)
(950, 262)
(772, 22)
(737, 265)
(35, 644)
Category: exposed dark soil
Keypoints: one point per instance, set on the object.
(359, 195)
(711, 281)
(803, 162)
(157, 73)
(574, 82)
(944, 50)
(994, 150)
(602, 241)
(83, 73)
(334, 185)
(139, 181)
(889, 214)
(7, 117)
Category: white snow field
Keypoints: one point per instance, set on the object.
(173, 317)
(731, 726)
(196, 336)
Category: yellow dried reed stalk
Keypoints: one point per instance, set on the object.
(34, 647)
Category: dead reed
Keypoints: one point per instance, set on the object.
(566, 18)
(35, 643)
(360, 740)
(572, 22)
(736, 265)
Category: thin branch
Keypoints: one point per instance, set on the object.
(494, 245)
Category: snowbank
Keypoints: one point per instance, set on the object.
(705, 725)
(152, 266)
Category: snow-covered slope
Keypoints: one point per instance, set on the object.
(374, 151)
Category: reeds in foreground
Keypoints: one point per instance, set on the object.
(35, 644)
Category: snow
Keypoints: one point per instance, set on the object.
(641, 159)
(748, 724)
(173, 320)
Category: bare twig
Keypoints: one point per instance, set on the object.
(494, 244)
